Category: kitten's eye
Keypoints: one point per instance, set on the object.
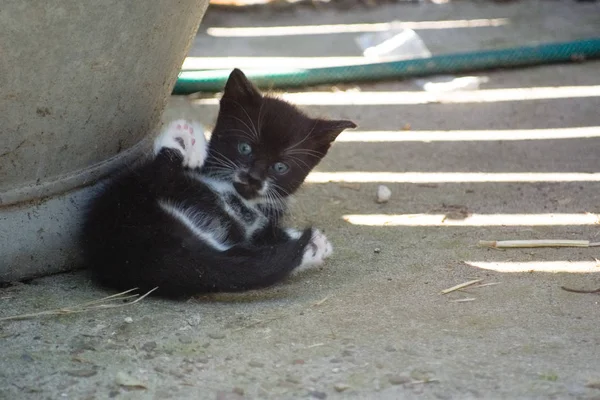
(244, 148)
(280, 168)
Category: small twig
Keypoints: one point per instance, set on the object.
(484, 285)
(256, 323)
(462, 285)
(84, 307)
(423, 381)
(580, 290)
(536, 243)
(82, 360)
(463, 300)
(320, 302)
(250, 325)
(117, 296)
(353, 186)
(315, 345)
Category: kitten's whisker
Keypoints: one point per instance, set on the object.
(281, 203)
(252, 133)
(221, 170)
(307, 152)
(295, 161)
(217, 160)
(224, 159)
(257, 135)
(275, 185)
(262, 103)
(304, 139)
(246, 134)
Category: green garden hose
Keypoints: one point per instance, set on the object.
(214, 80)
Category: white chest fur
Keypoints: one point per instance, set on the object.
(246, 212)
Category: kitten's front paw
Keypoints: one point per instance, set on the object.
(185, 137)
(316, 251)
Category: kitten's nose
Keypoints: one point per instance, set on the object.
(251, 178)
(254, 177)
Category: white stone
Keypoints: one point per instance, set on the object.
(383, 194)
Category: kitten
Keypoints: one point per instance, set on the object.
(195, 219)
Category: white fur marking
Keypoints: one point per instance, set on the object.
(315, 252)
(264, 189)
(226, 188)
(293, 233)
(206, 229)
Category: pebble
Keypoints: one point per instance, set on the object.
(149, 346)
(128, 320)
(238, 390)
(347, 353)
(390, 348)
(228, 396)
(128, 381)
(340, 387)
(335, 360)
(377, 250)
(292, 379)
(318, 395)
(593, 385)
(256, 364)
(399, 379)
(82, 373)
(185, 339)
(383, 194)
(27, 357)
(194, 320)
(216, 335)
(298, 362)
(202, 360)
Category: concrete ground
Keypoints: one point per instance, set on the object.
(373, 323)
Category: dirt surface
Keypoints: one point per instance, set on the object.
(372, 323)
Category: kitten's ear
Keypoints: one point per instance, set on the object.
(328, 130)
(239, 88)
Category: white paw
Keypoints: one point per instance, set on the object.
(293, 233)
(315, 252)
(185, 137)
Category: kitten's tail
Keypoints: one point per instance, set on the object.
(253, 268)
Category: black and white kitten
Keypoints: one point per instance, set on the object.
(195, 219)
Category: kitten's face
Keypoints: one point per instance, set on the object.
(265, 146)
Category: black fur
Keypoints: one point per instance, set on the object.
(130, 241)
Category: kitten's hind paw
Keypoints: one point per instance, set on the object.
(315, 252)
(185, 137)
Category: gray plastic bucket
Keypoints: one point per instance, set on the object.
(82, 89)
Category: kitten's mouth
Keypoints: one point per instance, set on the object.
(248, 192)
